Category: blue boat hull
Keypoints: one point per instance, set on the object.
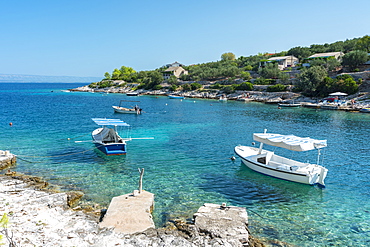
(365, 110)
(175, 97)
(112, 149)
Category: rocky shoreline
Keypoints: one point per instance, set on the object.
(40, 217)
(362, 99)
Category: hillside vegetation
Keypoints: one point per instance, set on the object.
(231, 73)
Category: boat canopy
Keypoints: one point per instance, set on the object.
(110, 122)
(289, 142)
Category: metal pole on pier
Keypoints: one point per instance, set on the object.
(141, 180)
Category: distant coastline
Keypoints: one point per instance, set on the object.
(11, 78)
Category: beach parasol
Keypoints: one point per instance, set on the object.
(338, 94)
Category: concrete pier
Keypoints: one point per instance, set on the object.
(130, 213)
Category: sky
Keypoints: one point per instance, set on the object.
(89, 38)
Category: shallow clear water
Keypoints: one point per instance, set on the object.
(188, 163)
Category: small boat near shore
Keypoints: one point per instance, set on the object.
(289, 104)
(120, 109)
(268, 163)
(365, 110)
(310, 105)
(172, 96)
(223, 98)
(132, 94)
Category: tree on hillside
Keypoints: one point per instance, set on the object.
(336, 46)
(345, 83)
(364, 44)
(342, 83)
(319, 48)
(349, 45)
(107, 76)
(126, 70)
(245, 75)
(271, 70)
(354, 59)
(330, 63)
(172, 80)
(310, 79)
(228, 56)
(300, 52)
(153, 79)
(116, 74)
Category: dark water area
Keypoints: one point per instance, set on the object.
(188, 161)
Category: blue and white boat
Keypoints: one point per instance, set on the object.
(172, 96)
(365, 110)
(107, 139)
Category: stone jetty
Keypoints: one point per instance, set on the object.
(130, 213)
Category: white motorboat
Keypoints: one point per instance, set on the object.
(268, 163)
(289, 104)
(120, 109)
(223, 98)
(132, 94)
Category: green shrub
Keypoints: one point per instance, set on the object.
(228, 89)
(216, 86)
(186, 87)
(104, 84)
(276, 88)
(173, 87)
(245, 86)
(195, 86)
(157, 87)
(263, 81)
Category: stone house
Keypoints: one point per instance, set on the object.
(175, 69)
(337, 55)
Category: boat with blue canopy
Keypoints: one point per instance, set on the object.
(107, 139)
(268, 163)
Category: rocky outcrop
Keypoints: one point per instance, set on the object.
(41, 218)
(6, 159)
(227, 223)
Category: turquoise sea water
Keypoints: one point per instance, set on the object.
(188, 163)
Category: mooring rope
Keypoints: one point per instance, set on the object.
(53, 156)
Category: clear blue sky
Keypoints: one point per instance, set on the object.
(89, 38)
